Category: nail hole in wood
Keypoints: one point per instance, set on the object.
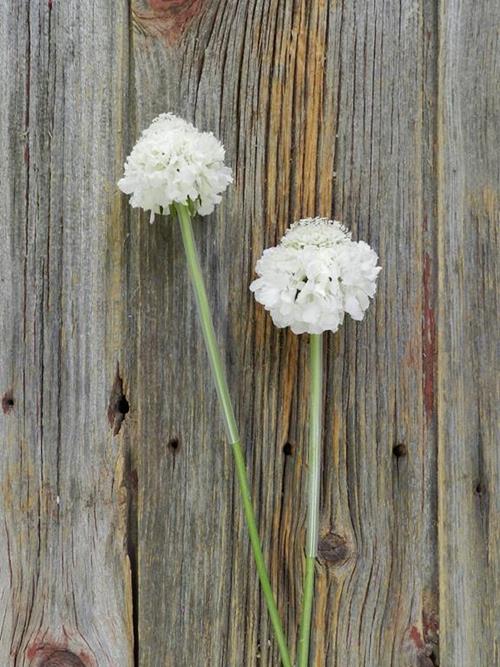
(118, 405)
(287, 449)
(400, 450)
(7, 402)
(479, 489)
(122, 405)
(173, 444)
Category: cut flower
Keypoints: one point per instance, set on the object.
(173, 162)
(314, 276)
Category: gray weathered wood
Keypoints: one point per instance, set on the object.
(65, 591)
(468, 223)
(122, 528)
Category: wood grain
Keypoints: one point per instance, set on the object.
(123, 539)
(468, 223)
(65, 591)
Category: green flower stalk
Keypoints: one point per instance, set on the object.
(229, 420)
(313, 490)
(175, 168)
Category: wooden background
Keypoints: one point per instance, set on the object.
(122, 540)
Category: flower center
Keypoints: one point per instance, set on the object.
(316, 232)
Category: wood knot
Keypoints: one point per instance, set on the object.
(167, 19)
(7, 402)
(62, 659)
(425, 653)
(118, 405)
(54, 653)
(168, 5)
(334, 549)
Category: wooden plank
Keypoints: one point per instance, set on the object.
(469, 464)
(324, 107)
(379, 588)
(65, 591)
(382, 417)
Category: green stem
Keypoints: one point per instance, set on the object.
(229, 420)
(314, 470)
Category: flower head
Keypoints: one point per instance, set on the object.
(173, 162)
(314, 276)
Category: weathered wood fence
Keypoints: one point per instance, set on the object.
(122, 539)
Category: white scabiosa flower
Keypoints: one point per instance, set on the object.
(175, 163)
(314, 276)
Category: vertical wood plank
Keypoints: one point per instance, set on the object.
(376, 587)
(469, 464)
(65, 593)
(324, 107)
